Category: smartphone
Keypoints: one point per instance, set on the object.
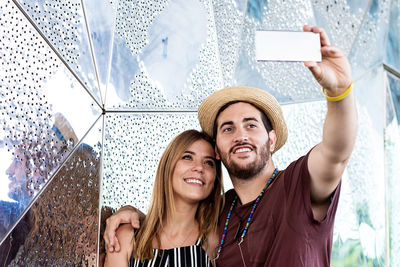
(287, 46)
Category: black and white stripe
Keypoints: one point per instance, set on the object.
(190, 256)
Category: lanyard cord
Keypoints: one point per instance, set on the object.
(250, 216)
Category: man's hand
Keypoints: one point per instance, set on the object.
(126, 214)
(333, 72)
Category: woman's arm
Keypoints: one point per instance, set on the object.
(125, 236)
(211, 245)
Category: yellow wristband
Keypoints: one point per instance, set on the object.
(339, 97)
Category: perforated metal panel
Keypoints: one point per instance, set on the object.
(38, 127)
(61, 228)
(133, 145)
(64, 26)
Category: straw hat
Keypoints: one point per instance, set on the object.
(210, 107)
(63, 131)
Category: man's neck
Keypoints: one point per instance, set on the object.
(248, 189)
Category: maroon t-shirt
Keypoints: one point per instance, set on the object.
(283, 231)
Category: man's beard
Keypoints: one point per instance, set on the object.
(20, 194)
(250, 170)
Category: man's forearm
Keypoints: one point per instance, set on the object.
(340, 129)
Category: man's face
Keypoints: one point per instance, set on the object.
(242, 142)
(17, 176)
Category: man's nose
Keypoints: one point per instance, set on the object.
(241, 135)
(10, 169)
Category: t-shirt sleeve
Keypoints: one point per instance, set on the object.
(297, 189)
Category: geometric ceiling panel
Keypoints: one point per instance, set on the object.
(63, 24)
(100, 16)
(369, 47)
(289, 82)
(133, 145)
(164, 56)
(392, 57)
(44, 113)
(229, 16)
(341, 20)
(61, 227)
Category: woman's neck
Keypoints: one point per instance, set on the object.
(180, 228)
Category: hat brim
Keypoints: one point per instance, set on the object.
(261, 99)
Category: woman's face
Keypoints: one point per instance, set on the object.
(194, 173)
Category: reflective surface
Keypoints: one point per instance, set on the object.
(39, 127)
(139, 69)
(392, 45)
(369, 46)
(392, 154)
(61, 227)
(161, 60)
(297, 84)
(63, 24)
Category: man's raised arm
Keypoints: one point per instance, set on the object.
(327, 161)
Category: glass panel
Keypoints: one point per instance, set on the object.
(44, 113)
(392, 158)
(359, 238)
(133, 146)
(100, 16)
(63, 24)
(393, 43)
(368, 49)
(229, 16)
(61, 227)
(394, 86)
(164, 55)
(341, 19)
(288, 81)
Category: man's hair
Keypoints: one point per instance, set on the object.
(264, 117)
(162, 203)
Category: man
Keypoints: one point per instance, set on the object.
(274, 218)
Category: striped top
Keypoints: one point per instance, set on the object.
(189, 256)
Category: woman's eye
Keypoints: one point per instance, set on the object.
(210, 163)
(187, 157)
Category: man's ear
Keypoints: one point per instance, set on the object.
(216, 153)
(272, 140)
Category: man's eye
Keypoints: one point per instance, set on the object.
(252, 126)
(187, 157)
(228, 129)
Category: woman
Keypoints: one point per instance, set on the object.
(180, 227)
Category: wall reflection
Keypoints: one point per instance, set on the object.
(61, 228)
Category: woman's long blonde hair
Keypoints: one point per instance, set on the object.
(162, 204)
